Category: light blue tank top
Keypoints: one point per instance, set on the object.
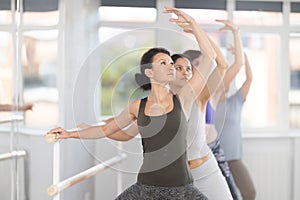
(228, 125)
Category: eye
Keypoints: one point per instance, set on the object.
(178, 68)
(188, 69)
(163, 63)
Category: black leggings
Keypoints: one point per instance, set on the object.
(139, 191)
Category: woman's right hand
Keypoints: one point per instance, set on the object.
(60, 133)
(228, 25)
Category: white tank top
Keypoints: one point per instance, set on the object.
(196, 139)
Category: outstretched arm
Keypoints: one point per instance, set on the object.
(246, 85)
(9, 107)
(121, 121)
(121, 135)
(125, 134)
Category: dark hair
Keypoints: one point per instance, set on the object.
(177, 56)
(192, 54)
(146, 63)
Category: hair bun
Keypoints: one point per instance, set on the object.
(143, 81)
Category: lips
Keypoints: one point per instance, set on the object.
(172, 74)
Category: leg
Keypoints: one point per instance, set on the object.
(131, 193)
(242, 179)
(210, 181)
(224, 167)
(186, 192)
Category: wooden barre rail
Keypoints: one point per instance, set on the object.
(12, 118)
(10, 155)
(55, 189)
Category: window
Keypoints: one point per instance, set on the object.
(262, 51)
(294, 96)
(258, 13)
(120, 54)
(39, 62)
(126, 14)
(38, 57)
(295, 13)
(206, 16)
(41, 18)
(6, 68)
(5, 17)
(205, 11)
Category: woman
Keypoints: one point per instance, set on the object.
(212, 134)
(162, 120)
(229, 129)
(206, 173)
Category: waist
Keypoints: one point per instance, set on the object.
(175, 174)
(199, 161)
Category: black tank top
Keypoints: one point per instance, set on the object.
(164, 147)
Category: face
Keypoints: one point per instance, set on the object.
(183, 71)
(162, 70)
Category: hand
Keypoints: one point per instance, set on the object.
(26, 107)
(183, 20)
(60, 133)
(228, 25)
(231, 49)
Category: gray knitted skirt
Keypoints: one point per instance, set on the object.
(139, 191)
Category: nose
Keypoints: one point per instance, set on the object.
(185, 72)
(171, 66)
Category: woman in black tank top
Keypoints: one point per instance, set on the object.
(162, 119)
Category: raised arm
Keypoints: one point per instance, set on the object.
(238, 53)
(216, 76)
(200, 75)
(247, 84)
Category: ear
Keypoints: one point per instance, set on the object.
(149, 73)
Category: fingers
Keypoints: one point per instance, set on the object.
(59, 133)
(171, 10)
(228, 25)
(224, 21)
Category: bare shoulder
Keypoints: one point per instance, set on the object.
(134, 107)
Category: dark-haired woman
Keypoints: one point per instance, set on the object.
(162, 119)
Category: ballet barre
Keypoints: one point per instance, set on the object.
(13, 154)
(55, 189)
(58, 186)
(11, 118)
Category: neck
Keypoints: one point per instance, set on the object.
(175, 88)
(158, 92)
